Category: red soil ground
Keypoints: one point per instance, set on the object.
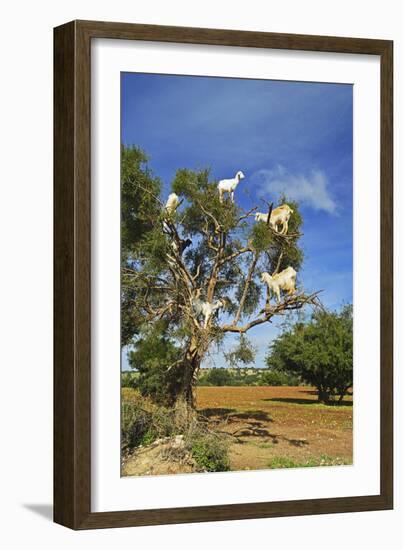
(279, 426)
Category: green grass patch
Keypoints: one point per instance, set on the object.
(209, 451)
(322, 460)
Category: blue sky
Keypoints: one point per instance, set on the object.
(292, 137)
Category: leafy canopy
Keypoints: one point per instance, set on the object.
(319, 351)
(161, 287)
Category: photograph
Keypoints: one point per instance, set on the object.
(236, 294)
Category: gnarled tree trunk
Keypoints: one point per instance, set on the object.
(185, 402)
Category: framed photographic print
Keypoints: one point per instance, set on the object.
(223, 275)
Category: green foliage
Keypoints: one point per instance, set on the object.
(244, 354)
(293, 255)
(216, 377)
(252, 298)
(279, 253)
(134, 425)
(324, 460)
(140, 190)
(276, 378)
(128, 379)
(209, 451)
(154, 353)
(139, 208)
(142, 424)
(200, 195)
(319, 351)
(261, 237)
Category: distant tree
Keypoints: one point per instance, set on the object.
(277, 378)
(163, 288)
(218, 377)
(319, 351)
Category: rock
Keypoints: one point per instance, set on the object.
(162, 457)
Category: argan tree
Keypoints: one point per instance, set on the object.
(163, 289)
(319, 351)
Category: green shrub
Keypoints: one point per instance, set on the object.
(129, 379)
(209, 451)
(141, 426)
(216, 377)
(274, 378)
(135, 423)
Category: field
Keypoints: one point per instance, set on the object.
(276, 427)
(266, 427)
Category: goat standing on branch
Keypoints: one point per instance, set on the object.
(206, 309)
(261, 217)
(285, 281)
(172, 204)
(281, 216)
(229, 186)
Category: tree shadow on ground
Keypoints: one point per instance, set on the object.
(296, 442)
(232, 415)
(255, 429)
(254, 425)
(315, 392)
(219, 411)
(307, 401)
(254, 415)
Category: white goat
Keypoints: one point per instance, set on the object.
(229, 186)
(280, 216)
(285, 281)
(172, 203)
(206, 309)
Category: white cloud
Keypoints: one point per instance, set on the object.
(309, 190)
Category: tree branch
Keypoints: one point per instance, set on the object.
(278, 262)
(175, 257)
(149, 192)
(248, 280)
(293, 303)
(207, 213)
(247, 214)
(234, 255)
(214, 272)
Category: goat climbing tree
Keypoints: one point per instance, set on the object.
(162, 287)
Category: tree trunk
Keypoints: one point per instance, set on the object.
(185, 401)
(323, 396)
(341, 395)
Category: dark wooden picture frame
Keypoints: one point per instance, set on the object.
(72, 268)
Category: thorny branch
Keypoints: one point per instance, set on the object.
(248, 280)
(291, 303)
(184, 288)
